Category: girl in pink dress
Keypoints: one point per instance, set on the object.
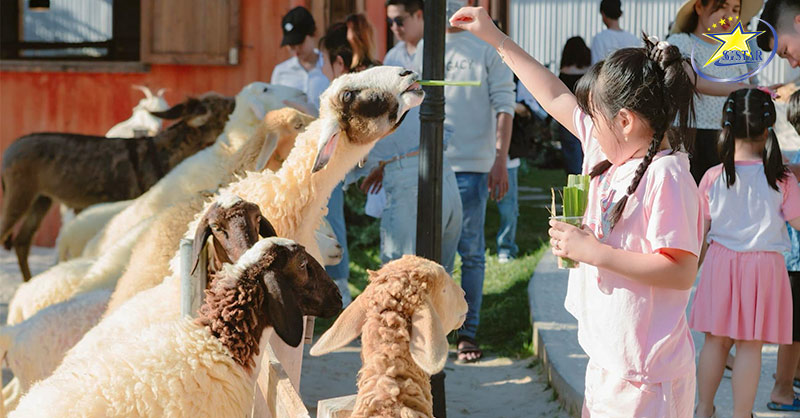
(744, 295)
(639, 247)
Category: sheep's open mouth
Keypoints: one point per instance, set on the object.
(414, 88)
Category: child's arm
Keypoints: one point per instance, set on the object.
(669, 268)
(549, 90)
(707, 226)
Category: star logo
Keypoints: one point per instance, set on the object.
(735, 40)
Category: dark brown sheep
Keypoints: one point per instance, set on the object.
(273, 285)
(81, 170)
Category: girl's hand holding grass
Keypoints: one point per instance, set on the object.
(568, 241)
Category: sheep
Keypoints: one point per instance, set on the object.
(403, 317)
(142, 119)
(357, 110)
(197, 368)
(76, 232)
(206, 169)
(64, 280)
(81, 170)
(35, 347)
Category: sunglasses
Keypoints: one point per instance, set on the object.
(398, 20)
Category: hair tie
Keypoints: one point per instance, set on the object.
(662, 45)
(729, 110)
(727, 123)
(771, 93)
(766, 114)
(652, 39)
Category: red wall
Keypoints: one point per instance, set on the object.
(90, 103)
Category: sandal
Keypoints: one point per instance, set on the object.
(468, 350)
(793, 407)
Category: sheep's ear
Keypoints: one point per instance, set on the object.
(174, 112)
(257, 108)
(328, 138)
(346, 328)
(265, 228)
(267, 149)
(200, 237)
(201, 119)
(144, 90)
(428, 340)
(283, 310)
(160, 92)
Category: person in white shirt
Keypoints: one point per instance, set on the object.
(303, 70)
(612, 38)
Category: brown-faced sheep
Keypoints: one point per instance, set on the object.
(81, 170)
(403, 317)
(197, 368)
(34, 347)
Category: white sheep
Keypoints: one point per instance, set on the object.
(77, 231)
(205, 169)
(357, 110)
(141, 121)
(403, 317)
(197, 368)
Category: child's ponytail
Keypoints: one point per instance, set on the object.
(749, 115)
(649, 81)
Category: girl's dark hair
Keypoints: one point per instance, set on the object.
(352, 40)
(748, 114)
(576, 53)
(650, 82)
(694, 18)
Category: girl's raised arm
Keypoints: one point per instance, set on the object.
(549, 90)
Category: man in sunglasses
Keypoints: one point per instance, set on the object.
(405, 19)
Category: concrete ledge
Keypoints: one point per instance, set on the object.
(341, 407)
(555, 339)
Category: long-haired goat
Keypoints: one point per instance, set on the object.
(403, 317)
(81, 170)
(197, 368)
(357, 110)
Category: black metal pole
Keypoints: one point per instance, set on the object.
(429, 201)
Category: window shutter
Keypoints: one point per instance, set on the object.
(202, 32)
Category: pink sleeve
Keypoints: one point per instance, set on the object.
(791, 197)
(675, 215)
(583, 126)
(705, 184)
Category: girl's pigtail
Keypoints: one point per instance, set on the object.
(774, 168)
(726, 145)
(619, 207)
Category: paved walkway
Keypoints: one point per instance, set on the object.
(556, 342)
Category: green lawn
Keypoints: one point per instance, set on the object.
(505, 326)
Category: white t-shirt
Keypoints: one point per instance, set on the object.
(608, 41)
(749, 215)
(291, 73)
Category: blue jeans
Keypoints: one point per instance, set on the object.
(572, 150)
(509, 211)
(474, 189)
(340, 272)
(399, 218)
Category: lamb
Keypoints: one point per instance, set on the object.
(142, 119)
(65, 280)
(81, 170)
(197, 368)
(357, 110)
(403, 317)
(206, 169)
(34, 348)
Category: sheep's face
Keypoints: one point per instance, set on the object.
(261, 98)
(209, 113)
(294, 283)
(235, 226)
(365, 107)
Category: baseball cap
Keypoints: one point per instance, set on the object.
(296, 25)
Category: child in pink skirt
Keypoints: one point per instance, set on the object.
(744, 296)
(639, 248)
